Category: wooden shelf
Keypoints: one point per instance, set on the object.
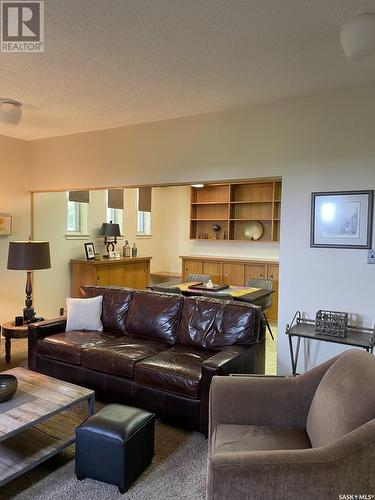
(232, 206)
(257, 219)
(251, 201)
(209, 203)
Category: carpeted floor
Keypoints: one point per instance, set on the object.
(178, 471)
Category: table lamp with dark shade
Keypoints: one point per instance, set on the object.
(110, 231)
(28, 256)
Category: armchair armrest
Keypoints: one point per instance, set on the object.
(264, 401)
(41, 330)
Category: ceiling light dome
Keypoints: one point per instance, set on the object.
(358, 37)
(10, 112)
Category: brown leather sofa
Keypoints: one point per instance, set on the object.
(157, 351)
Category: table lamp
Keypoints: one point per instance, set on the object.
(110, 231)
(28, 256)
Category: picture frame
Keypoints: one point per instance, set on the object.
(90, 251)
(342, 219)
(5, 224)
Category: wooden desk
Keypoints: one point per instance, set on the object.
(132, 272)
(10, 331)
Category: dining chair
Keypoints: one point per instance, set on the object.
(267, 301)
(166, 289)
(198, 277)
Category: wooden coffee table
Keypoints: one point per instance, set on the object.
(34, 424)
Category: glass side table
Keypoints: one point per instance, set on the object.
(305, 328)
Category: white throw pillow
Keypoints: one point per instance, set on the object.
(84, 314)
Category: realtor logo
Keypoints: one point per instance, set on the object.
(22, 26)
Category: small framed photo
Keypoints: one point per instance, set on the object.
(342, 219)
(5, 224)
(90, 251)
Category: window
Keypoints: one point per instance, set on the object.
(76, 218)
(144, 223)
(143, 216)
(115, 215)
(73, 223)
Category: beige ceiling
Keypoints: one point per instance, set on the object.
(109, 63)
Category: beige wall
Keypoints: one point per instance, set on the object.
(14, 199)
(315, 143)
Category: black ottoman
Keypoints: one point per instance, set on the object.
(115, 445)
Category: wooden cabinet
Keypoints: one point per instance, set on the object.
(235, 272)
(232, 207)
(129, 272)
(192, 267)
(212, 268)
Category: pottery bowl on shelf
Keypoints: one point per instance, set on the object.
(8, 387)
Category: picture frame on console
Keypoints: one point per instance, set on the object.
(342, 219)
(90, 251)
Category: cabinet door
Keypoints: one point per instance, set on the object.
(233, 274)
(192, 267)
(213, 269)
(255, 271)
(135, 275)
(273, 273)
(103, 275)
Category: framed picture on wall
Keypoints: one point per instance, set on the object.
(342, 219)
(90, 251)
(5, 225)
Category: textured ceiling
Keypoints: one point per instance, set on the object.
(109, 63)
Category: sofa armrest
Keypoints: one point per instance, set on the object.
(264, 401)
(322, 472)
(41, 330)
(233, 359)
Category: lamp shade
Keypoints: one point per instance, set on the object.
(29, 255)
(110, 229)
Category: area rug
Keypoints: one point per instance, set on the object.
(178, 471)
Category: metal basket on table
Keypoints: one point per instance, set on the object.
(331, 323)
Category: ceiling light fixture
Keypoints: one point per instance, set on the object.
(197, 185)
(10, 112)
(358, 37)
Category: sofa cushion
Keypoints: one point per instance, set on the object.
(118, 356)
(235, 438)
(177, 370)
(116, 302)
(212, 323)
(68, 346)
(344, 399)
(154, 316)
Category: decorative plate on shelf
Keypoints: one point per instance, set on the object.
(253, 230)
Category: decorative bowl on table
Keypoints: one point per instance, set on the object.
(8, 387)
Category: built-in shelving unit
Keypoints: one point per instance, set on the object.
(233, 206)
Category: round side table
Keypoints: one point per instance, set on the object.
(10, 331)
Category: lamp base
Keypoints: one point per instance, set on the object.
(28, 314)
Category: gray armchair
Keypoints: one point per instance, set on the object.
(310, 437)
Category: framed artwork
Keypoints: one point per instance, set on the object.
(342, 219)
(90, 251)
(5, 225)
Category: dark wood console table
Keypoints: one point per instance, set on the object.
(305, 328)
